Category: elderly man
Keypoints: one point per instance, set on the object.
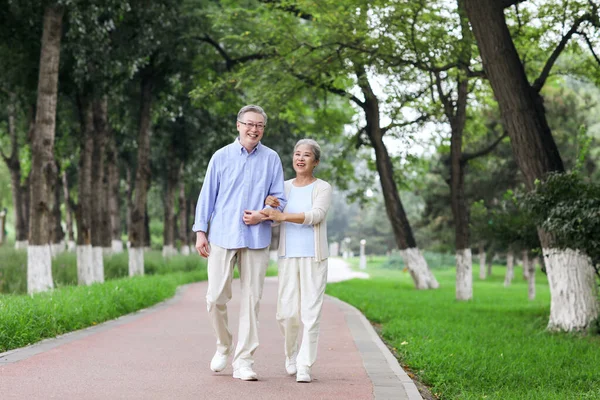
(239, 178)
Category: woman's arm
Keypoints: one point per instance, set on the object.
(320, 206)
(314, 216)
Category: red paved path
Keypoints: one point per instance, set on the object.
(166, 354)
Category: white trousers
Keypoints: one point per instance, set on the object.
(302, 284)
(252, 265)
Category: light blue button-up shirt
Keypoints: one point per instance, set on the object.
(236, 181)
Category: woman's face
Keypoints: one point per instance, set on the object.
(304, 160)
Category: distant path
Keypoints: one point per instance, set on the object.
(339, 270)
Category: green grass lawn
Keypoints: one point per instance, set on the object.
(28, 319)
(493, 347)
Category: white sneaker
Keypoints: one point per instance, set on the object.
(218, 362)
(303, 375)
(290, 364)
(245, 374)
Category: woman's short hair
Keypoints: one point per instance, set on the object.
(252, 108)
(316, 149)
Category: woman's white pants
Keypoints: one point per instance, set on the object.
(302, 284)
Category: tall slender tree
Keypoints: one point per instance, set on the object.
(43, 172)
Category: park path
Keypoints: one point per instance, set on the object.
(164, 353)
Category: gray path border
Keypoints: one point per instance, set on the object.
(16, 355)
(389, 379)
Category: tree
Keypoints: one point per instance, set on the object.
(43, 172)
(573, 306)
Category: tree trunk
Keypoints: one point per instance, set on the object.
(147, 235)
(525, 257)
(536, 154)
(510, 268)
(2, 226)
(14, 166)
(57, 237)
(531, 279)
(129, 200)
(99, 107)
(169, 206)
(456, 112)
(85, 270)
(413, 258)
(142, 179)
(489, 264)
(114, 196)
(183, 215)
(482, 257)
(68, 212)
(39, 268)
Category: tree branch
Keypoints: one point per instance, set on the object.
(232, 62)
(590, 45)
(422, 118)
(329, 88)
(539, 82)
(509, 3)
(466, 157)
(288, 8)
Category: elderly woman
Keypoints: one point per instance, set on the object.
(303, 253)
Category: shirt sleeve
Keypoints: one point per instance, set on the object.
(207, 197)
(320, 206)
(277, 188)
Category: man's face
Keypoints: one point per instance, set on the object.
(251, 127)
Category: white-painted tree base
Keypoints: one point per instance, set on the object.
(57, 248)
(39, 269)
(136, 261)
(185, 250)
(21, 244)
(573, 290)
(169, 251)
(98, 264)
(464, 274)
(482, 266)
(71, 246)
(85, 265)
(117, 246)
(510, 268)
(418, 268)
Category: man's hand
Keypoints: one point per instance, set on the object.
(272, 201)
(202, 245)
(252, 217)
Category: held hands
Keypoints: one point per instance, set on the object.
(272, 201)
(252, 217)
(272, 214)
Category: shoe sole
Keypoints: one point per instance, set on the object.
(235, 376)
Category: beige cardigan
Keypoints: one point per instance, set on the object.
(321, 200)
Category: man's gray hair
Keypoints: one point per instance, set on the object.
(252, 108)
(316, 149)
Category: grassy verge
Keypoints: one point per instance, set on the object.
(493, 347)
(28, 319)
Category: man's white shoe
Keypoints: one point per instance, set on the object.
(303, 375)
(290, 364)
(245, 374)
(218, 362)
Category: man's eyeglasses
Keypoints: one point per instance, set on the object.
(251, 125)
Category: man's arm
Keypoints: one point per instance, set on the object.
(277, 187)
(205, 207)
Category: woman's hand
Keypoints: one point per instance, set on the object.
(272, 201)
(272, 214)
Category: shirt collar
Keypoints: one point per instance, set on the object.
(242, 150)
